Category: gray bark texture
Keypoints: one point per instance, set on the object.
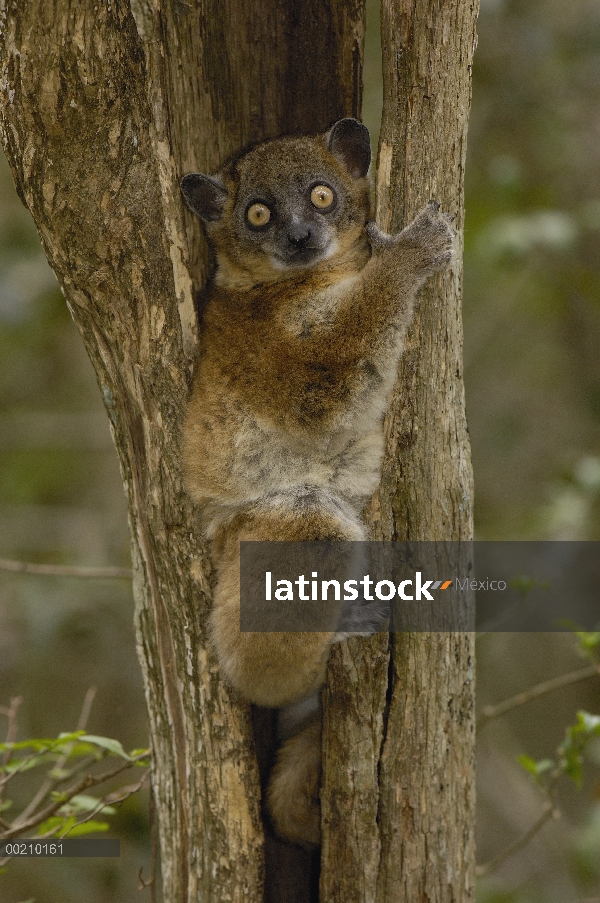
(399, 782)
(103, 106)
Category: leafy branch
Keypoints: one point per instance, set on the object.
(568, 762)
(570, 755)
(547, 686)
(62, 804)
(589, 646)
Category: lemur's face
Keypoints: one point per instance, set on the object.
(286, 205)
(289, 214)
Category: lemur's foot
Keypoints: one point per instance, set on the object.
(362, 618)
(431, 233)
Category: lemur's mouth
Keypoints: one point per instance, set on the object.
(304, 252)
(301, 256)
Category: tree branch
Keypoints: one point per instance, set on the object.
(11, 733)
(118, 796)
(84, 783)
(546, 686)
(50, 783)
(63, 570)
(549, 811)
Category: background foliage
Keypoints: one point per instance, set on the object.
(532, 371)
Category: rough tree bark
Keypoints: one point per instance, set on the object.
(399, 783)
(102, 108)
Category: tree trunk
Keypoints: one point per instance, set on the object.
(101, 115)
(101, 112)
(399, 785)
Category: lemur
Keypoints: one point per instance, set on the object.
(303, 327)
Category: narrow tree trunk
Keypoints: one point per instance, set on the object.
(398, 790)
(100, 116)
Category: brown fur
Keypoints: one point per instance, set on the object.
(293, 794)
(271, 669)
(298, 355)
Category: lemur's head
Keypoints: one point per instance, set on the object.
(285, 205)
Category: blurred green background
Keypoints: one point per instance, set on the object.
(532, 371)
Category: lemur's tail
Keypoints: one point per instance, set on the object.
(293, 792)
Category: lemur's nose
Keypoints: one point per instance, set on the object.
(298, 236)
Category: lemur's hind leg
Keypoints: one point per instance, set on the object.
(268, 668)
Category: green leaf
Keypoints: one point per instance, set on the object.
(590, 723)
(572, 767)
(84, 803)
(528, 764)
(577, 736)
(81, 802)
(46, 743)
(5, 805)
(589, 640)
(112, 746)
(68, 827)
(59, 774)
(537, 769)
(138, 752)
(83, 749)
(21, 765)
(55, 822)
(89, 827)
(26, 744)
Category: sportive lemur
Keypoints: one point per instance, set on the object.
(303, 326)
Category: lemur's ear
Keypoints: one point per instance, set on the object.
(204, 195)
(349, 140)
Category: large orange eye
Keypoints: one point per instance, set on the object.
(322, 197)
(258, 214)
